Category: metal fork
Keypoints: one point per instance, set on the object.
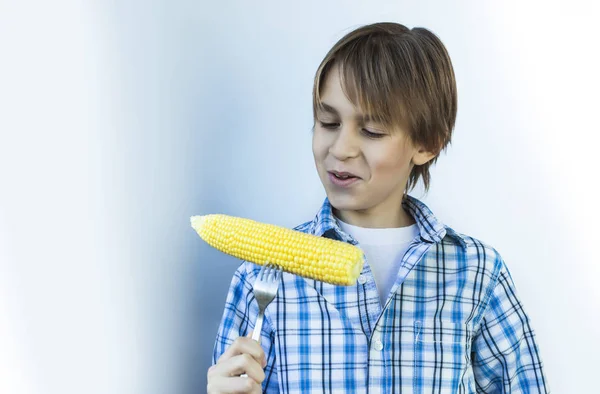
(265, 289)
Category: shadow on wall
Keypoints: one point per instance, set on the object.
(212, 188)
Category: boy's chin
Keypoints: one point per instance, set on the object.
(344, 202)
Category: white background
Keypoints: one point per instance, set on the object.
(120, 121)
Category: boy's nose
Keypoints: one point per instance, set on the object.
(345, 145)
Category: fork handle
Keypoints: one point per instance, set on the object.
(256, 332)
(258, 327)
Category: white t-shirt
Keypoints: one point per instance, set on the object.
(384, 249)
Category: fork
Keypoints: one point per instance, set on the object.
(265, 289)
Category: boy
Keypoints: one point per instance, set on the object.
(433, 311)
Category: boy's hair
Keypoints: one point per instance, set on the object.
(403, 78)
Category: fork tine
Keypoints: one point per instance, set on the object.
(277, 272)
(261, 273)
(272, 273)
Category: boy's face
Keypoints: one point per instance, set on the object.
(379, 158)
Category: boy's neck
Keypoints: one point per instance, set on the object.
(369, 220)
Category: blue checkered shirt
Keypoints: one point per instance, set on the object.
(452, 323)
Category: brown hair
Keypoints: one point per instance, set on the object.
(403, 78)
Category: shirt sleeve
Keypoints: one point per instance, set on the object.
(239, 317)
(506, 358)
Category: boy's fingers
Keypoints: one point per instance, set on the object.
(237, 365)
(234, 385)
(244, 345)
(264, 359)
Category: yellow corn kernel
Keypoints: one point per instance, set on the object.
(306, 255)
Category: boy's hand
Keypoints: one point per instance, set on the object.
(243, 356)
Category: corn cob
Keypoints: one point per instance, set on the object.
(299, 253)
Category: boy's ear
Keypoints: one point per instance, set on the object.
(422, 156)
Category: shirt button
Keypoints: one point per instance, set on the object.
(362, 279)
(378, 345)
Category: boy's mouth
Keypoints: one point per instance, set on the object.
(342, 180)
(342, 175)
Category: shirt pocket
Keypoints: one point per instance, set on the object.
(441, 355)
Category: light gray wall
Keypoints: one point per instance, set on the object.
(120, 121)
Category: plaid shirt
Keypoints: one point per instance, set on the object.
(452, 323)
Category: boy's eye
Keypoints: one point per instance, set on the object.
(370, 134)
(329, 125)
(366, 132)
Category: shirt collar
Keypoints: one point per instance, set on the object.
(431, 228)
